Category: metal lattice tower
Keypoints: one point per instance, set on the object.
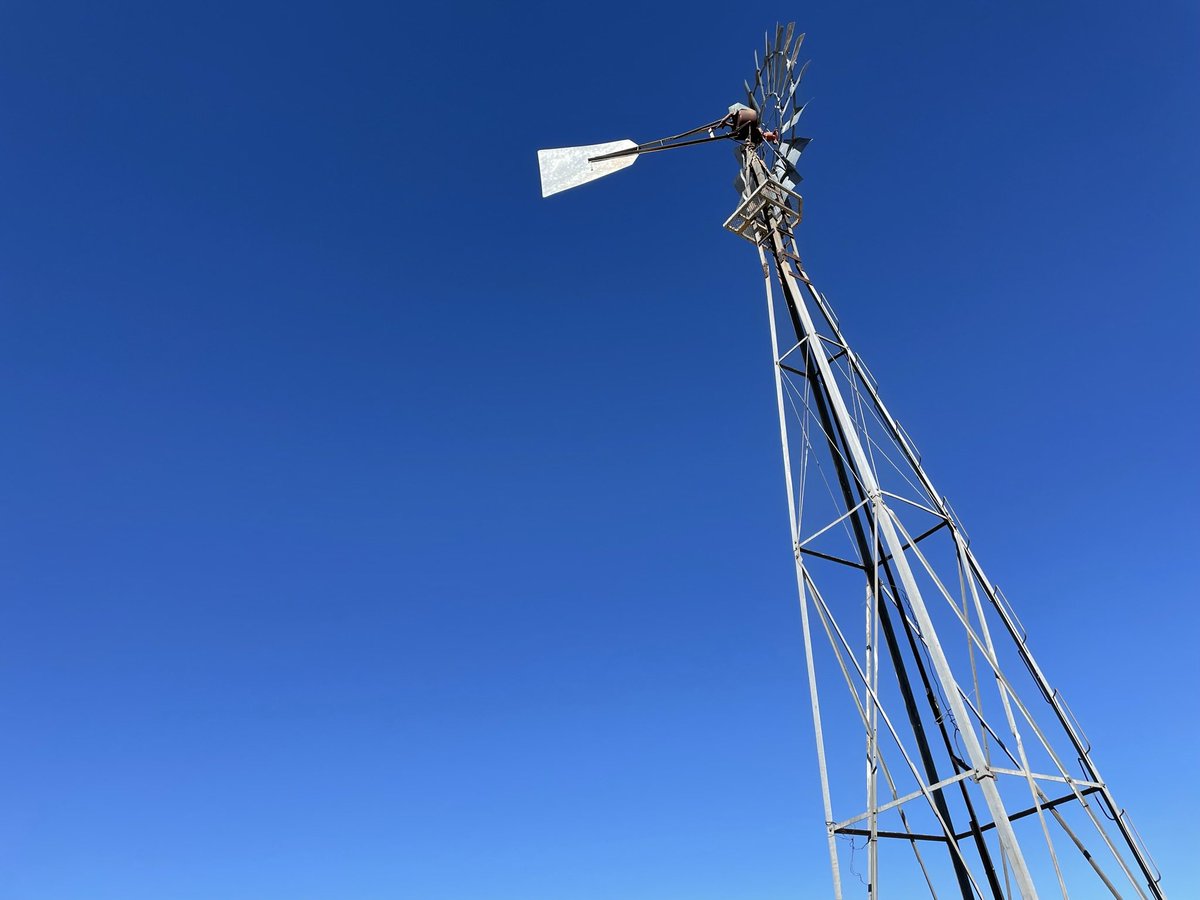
(974, 780)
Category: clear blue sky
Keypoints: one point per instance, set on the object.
(373, 528)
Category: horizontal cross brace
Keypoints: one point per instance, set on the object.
(1029, 812)
(908, 836)
(920, 537)
(1021, 773)
(836, 559)
(904, 835)
(900, 801)
(1090, 788)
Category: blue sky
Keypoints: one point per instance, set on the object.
(375, 528)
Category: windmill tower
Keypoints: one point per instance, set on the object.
(948, 763)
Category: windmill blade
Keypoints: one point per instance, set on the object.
(757, 76)
(796, 49)
(791, 150)
(740, 185)
(779, 54)
(791, 123)
(785, 168)
(750, 98)
(786, 36)
(566, 167)
(796, 82)
(761, 83)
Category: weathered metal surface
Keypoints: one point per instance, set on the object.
(566, 167)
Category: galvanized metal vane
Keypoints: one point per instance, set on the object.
(568, 167)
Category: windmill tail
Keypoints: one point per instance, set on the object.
(568, 167)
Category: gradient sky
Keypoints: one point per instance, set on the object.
(374, 528)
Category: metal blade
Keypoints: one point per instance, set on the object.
(751, 102)
(796, 82)
(791, 123)
(775, 60)
(785, 169)
(796, 49)
(787, 99)
(567, 167)
(760, 86)
(786, 174)
(791, 150)
(739, 185)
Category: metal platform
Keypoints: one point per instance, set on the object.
(751, 219)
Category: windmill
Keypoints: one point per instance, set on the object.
(948, 763)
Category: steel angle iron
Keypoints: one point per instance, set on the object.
(950, 766)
